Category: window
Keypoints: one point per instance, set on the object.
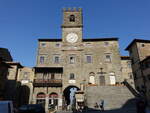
(72, 59)
(89, 59)
(41, 59)
(72, 18)
(57, 44)
(92, 78)
(72, 76)
(43, 44)
(56, 59)
(108, 58)
(106, 43)
(25, 76)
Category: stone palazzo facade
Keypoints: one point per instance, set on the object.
(75, 62)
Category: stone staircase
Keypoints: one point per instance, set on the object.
(116, 98)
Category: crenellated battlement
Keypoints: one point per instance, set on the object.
(74, 9)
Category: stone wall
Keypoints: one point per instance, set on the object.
(115, 97)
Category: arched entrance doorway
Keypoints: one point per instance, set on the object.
(40, 99)
(24, 95)
(68, 94)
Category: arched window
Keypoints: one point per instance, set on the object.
(92, 78)
(41, 95)
(53, 99)
(41, 98)
(53, 95)
(72, 18)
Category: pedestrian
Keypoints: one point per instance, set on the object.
(101, 105)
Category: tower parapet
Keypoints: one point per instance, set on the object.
(74, 9)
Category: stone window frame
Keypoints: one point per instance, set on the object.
(71, 76)
(58, 45)
(54, 59)
(92, 74)
(108, 59)
(41, 59)
(72, 59)
(87, 56)
(43, 44)
(25, 76)
(106, 43)
(112, 73)
(72, 18)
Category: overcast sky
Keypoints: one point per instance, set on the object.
(22, 22)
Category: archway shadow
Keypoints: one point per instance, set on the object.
(24, 94)
(66, 93)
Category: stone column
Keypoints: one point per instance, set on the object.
(46, 102)
(59, 103)
(33, 101)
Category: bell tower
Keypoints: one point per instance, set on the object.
(72, 25)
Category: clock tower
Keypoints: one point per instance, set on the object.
(72, 26)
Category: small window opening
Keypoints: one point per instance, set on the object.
(72, 18)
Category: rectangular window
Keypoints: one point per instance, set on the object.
(106, 43)
(57, 44)
(43, 44)
(72, 76)
(108, 58)
(56, 59)
(89, 59)
(42, 59)
(25, 76)
(72, 59)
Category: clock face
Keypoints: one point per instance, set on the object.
(72, 37)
